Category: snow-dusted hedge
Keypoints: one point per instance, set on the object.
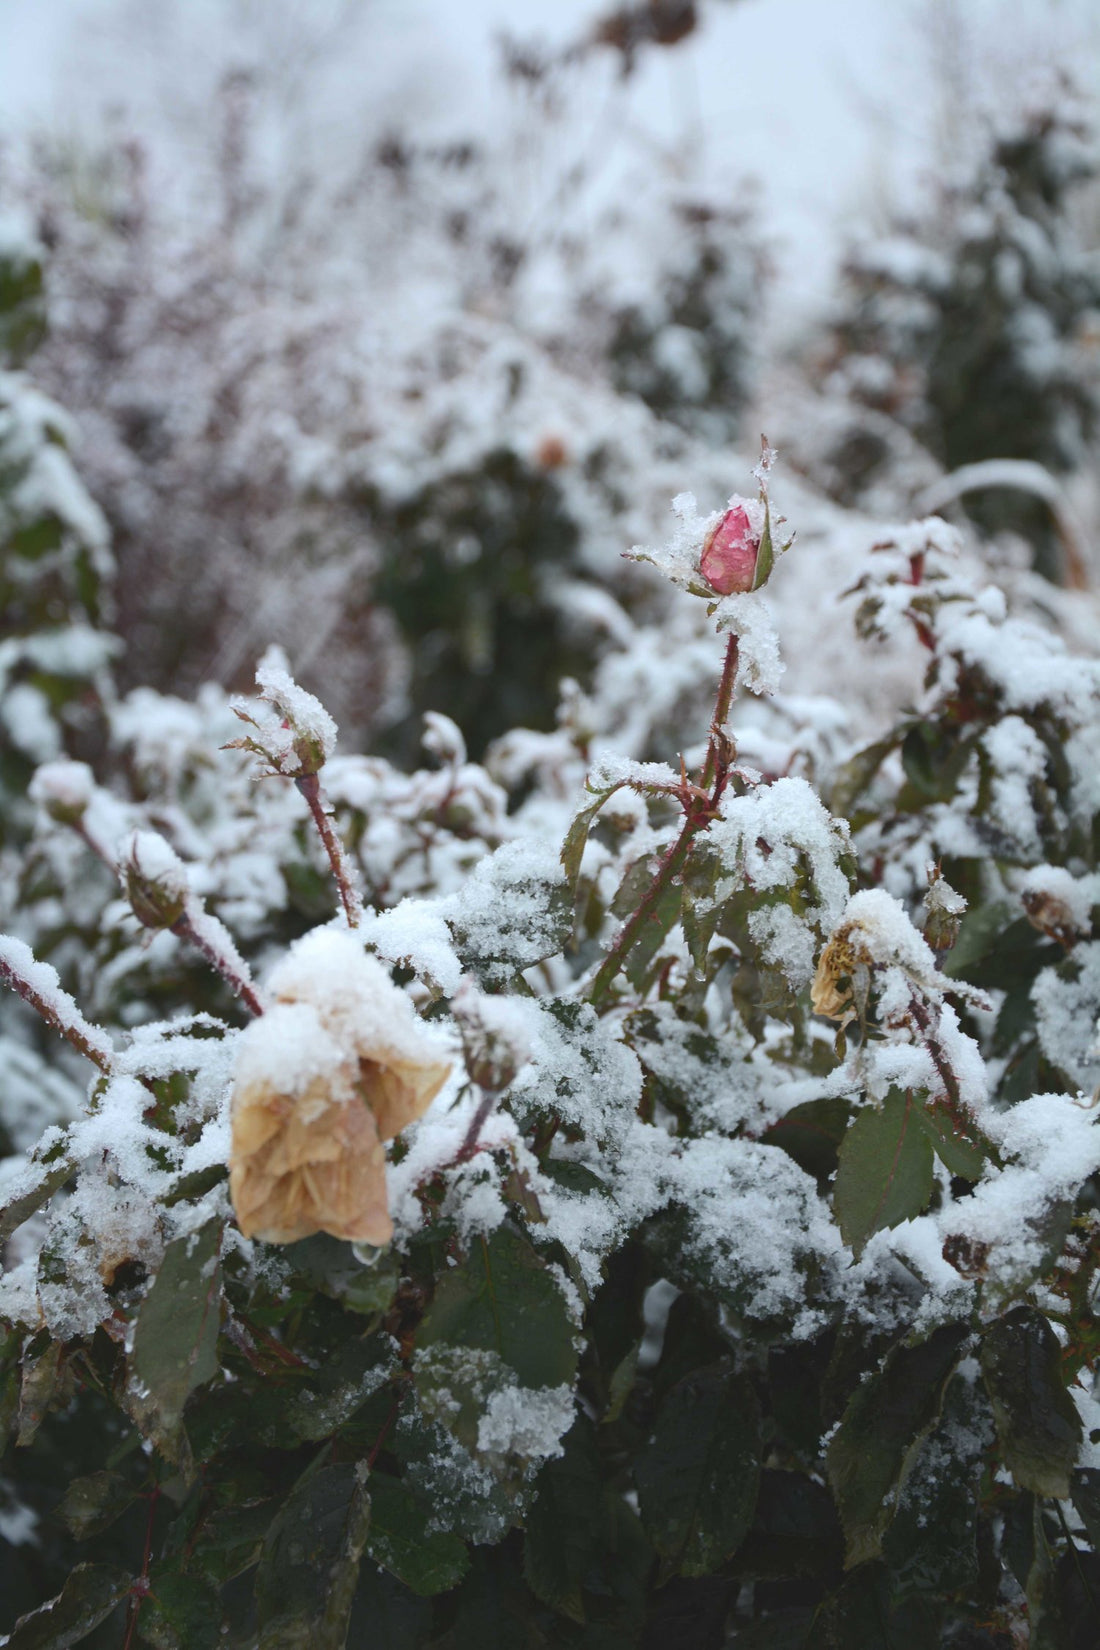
(583, 1199)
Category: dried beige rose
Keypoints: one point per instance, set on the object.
(833, 988)
(339, 1063)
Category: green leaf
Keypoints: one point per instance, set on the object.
(1037, 1421)
(857, 773)
(698, 1475)
(341, 1386)
(653, 933)
(48, 1176)
(399, 1540)
(995, 948)
(621, 1385)
(332, 1267)
(501, 1298)
(863, 1615)
(572, 851)
(175, 1339)
(43, 1380)
(562, 1525)
(89, 1596)
(931, 1545)
(959, 1156)
(310, 1562)
(1085, 1490)
(183, 1611)
(811, 1133)
(92, 1504)
(934, 759)
(884, 1173)
(765, 556)
(872, 1451)
(231, 1539)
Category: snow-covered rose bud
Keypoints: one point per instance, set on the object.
(63, 789)
(294, 733)
(945, 909)
(730, 549)
(339, 1063)
(155, 879)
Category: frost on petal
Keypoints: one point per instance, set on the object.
(307, 1163)
(730, 549)
(402, 1065)
(339, 1063)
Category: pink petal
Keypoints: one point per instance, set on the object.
(728, 562)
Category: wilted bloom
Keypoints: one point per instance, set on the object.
(835, 981)
(338, 1064)
(730, 549)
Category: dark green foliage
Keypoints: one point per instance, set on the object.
(176, 1334)
(469, 569)
(309, 1565)
(968, 329)
(689, 354)
(22, 303)
(1037, 1421)
(91, 1594)
(885, 1169)
(698, 1475)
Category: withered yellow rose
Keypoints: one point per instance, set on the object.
(832, 991)
(338, 1063)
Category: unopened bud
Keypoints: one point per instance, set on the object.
(730, 549)
(63, 789)
(1058, 904)
(155, 880)
(945, 909)
(298, 739)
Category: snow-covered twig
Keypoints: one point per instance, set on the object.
(37, 983)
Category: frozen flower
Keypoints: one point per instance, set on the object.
(63, 789)
(730, 549)
(155, 879)
(843, 973)
(1058, 904)
(339, 1064)
(874, 932)
(294, 733)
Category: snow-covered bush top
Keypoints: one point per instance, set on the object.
(633, 1166)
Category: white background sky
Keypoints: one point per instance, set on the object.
(836, 106)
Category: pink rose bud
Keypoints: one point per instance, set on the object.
(730, 549)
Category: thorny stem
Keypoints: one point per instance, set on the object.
(954, 1105)
(238, 983)
(485, 1105)
(140, 1588)
(721, 710)
(310, 787)
(700, 810)
(383, 1434)
(72, 1033)
(672, 863)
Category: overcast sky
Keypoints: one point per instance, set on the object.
(837, 107)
